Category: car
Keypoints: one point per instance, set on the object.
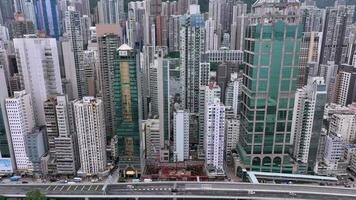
(251, 192)
(24, 182)
(130, 187)
(292, 194)
(174, 190)
(52, 180)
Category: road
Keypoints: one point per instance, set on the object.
(206, 190)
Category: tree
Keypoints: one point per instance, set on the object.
(35, 195)
(2, 197)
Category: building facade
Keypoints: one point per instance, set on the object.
(271, 59)
(214, 138)
(181, 135)
(126, 104)
(307, 123)
(21, 123)
(90, 128)
(38, 63)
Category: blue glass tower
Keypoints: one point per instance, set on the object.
(47, 17)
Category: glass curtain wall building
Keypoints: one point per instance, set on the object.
(271, 58)
(126, 105)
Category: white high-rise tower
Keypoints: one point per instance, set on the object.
(21, 122)
(90, 126)
(214, 128)
(37, 60)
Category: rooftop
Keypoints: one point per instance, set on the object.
(125, 47)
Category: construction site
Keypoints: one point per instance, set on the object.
(176, 171)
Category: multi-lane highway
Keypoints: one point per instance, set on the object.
(177, 190)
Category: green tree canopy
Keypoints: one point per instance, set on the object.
(35, 195)
(2, 197)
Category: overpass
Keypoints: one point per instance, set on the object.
(180, 190)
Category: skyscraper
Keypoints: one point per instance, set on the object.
(181, 135)
(159, 89)
(345, 89)
(312, 19)
(307, 123)
(232, 94)
(336, 31)
(67, 158)
(153, 139)
(214, 138)
(232, 133)
(51, 123)
(107, 45)
(21, 122)
(21, 26)
(111, 11)
(153, 10)
(269, 83)
(238, 25)
(5, 137)
(309, 53)
(26, 7)
(192, 45)
(207, 94)
(73, 33)
(35, 148)
(212, 39)
(6, 11)
(127, 114)
(37, 60)
(90, 127)
(47, 15)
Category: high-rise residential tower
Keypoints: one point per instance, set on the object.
(207, 94)
(238, 25)
(66, 150)
(159, 89)
(181, 135)
(108, 45)
(74, 63)
(307, 123)
(338, 22)
(111, 11)
(21, 122)
(232, 94)
(214, 128)
(90, 128)
(191, 47)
